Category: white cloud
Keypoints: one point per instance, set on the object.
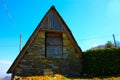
(2, 75)
(94, 45)
(4, 66)
(5, 62)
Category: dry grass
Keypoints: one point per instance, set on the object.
(60, 77)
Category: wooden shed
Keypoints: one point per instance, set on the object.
(50, 49)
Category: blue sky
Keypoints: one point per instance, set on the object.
(92, 23)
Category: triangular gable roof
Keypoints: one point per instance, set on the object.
(22, 52)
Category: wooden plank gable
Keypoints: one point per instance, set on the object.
(52, 22)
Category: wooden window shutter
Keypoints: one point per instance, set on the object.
(53, 45)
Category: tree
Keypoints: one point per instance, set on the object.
(109, 45)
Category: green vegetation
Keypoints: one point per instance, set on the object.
(102, 62)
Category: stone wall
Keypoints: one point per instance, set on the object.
(34, 61)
